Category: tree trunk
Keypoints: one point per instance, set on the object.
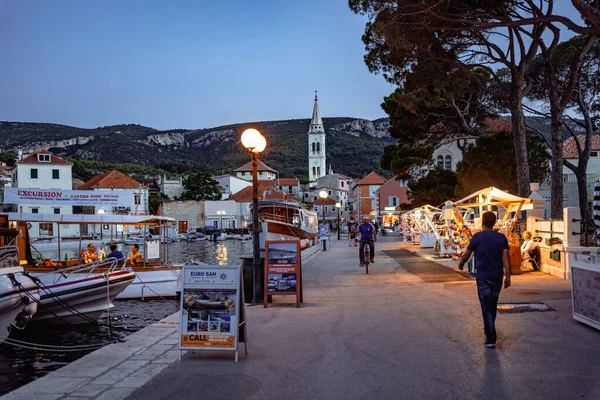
(519, 132)
(556, 174)
(587, 219)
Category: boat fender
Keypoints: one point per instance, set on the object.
(24, 316)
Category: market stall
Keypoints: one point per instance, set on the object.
(464, 219)
(423, 223)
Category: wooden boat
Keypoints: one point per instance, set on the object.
(286, 221)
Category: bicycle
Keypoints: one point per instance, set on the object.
(366, 254)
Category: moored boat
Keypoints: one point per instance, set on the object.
(286, 221)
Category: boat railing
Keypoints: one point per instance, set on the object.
(108, 266)
(276, 218)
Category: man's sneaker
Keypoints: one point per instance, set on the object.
(372, 261)
(362, 265)
(490, 345)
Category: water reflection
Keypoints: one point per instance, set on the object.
(19, 366)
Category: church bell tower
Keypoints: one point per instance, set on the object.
(316, 145)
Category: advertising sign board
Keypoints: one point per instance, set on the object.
(585, 280)
(324, 231)
(95, 198)
(210, 308)
(283, 274)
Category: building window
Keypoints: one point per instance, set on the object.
(55, 174)
(57, 211)
(393, 201)
(325, 208)
(34, 173)
(305, 195)
(330, 192)
(290, 189)
(593, 154)
(137, 199)
(315, 198)
(318, 147)
(243, 174)
(35, 210)
(46, 229)
(313, 148)
(216, 223)
(448, 163)
(318, 171)
(314, 171)
(43, 158)
(342, 183)
(440, 162)
(260, 173)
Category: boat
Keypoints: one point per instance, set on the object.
(155, 277)
(286, 221)
(79, 294)
(19, 293)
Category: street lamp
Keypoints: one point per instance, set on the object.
(101, 213)
(323, 195)
(255, 143)
(338, 206)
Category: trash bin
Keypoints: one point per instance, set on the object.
(247, 274)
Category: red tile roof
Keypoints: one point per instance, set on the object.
(372, 179)
(33, 159)
(245, 195)
(287, 181)
(570, 148)
(111, 180)
(496, 125)
(248, 167)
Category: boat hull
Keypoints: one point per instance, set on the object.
(11, 299)
(280, 231)
(152, 284)
(77, 299)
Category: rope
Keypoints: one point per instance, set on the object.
(153, 291)
(49, 348)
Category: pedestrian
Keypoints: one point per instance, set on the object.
(351, 232)
(491, 253)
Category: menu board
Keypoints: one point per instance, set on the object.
(585, 280)
(283, 274)
(210, 307)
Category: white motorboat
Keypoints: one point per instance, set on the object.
(19, 293)
(79, 294)
(286, 221)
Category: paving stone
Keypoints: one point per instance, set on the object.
(90, 390)
(116, 393)
(133, 382)
(133, 364)
(169, 357)
(113, 376)
(28, 396)
(158, 349)
(53, 385)
(149, 370)
(172, 341)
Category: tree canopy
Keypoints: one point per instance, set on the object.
(200, 186)
(438, 186)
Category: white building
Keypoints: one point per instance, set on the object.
(44, 170)
(223, 214)
(316, 145)
(116, 181)
(231, 184)
(264, 172)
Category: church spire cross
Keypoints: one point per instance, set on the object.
(316, 98)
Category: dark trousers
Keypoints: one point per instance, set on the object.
(361, 249)
(489, 291)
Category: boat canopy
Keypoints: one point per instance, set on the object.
(72, 219)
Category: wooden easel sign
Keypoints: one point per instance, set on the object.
(283, 269)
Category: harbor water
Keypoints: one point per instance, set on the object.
(19, 365)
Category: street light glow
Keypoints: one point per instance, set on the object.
(338, 205)
(100, 211)
(323, 194)
(253, 140)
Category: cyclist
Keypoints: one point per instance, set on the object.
(367, 234)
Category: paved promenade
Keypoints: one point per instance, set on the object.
(400, 332)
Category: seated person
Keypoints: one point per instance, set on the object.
(135, 258)
(114, 253)
(90, 255)
(528, 248)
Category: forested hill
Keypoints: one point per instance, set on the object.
(354, 146)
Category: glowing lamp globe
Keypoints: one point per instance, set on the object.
(338, 205)
(323, 194)
(253, 140)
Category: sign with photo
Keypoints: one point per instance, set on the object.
(210, 307)
(585, 281)
(283, 274)
(324, 231)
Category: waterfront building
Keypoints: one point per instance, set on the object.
(189, 215)
(316, 145)
(223, 214)
(365, 197)
(44, 170)
(390, 196)
(231, 184)
(118, 182)
(172, 188)
(264, 171)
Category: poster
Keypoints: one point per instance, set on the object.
(153, 249)
(324, 231)
(57, 197)
(585, 280)
(283, 269)
(210, 304)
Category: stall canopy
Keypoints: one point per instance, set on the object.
(490, 196)
(70, 219)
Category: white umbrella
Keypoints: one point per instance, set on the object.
(596, 206)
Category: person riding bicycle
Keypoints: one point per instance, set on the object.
(368, 234)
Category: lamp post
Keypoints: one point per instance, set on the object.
(323, 195)
(101, 213)
(255, 143)
(338, 206)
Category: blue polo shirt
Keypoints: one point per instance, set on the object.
(366, 231)
(488, 247)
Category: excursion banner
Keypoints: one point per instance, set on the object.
(54, 197)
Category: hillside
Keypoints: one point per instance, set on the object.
(354, 146)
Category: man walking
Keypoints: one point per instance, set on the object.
(491, 253)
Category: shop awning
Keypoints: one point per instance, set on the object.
(490, 196)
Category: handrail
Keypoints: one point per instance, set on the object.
(66, 272)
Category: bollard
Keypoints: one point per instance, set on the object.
(324, 245)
